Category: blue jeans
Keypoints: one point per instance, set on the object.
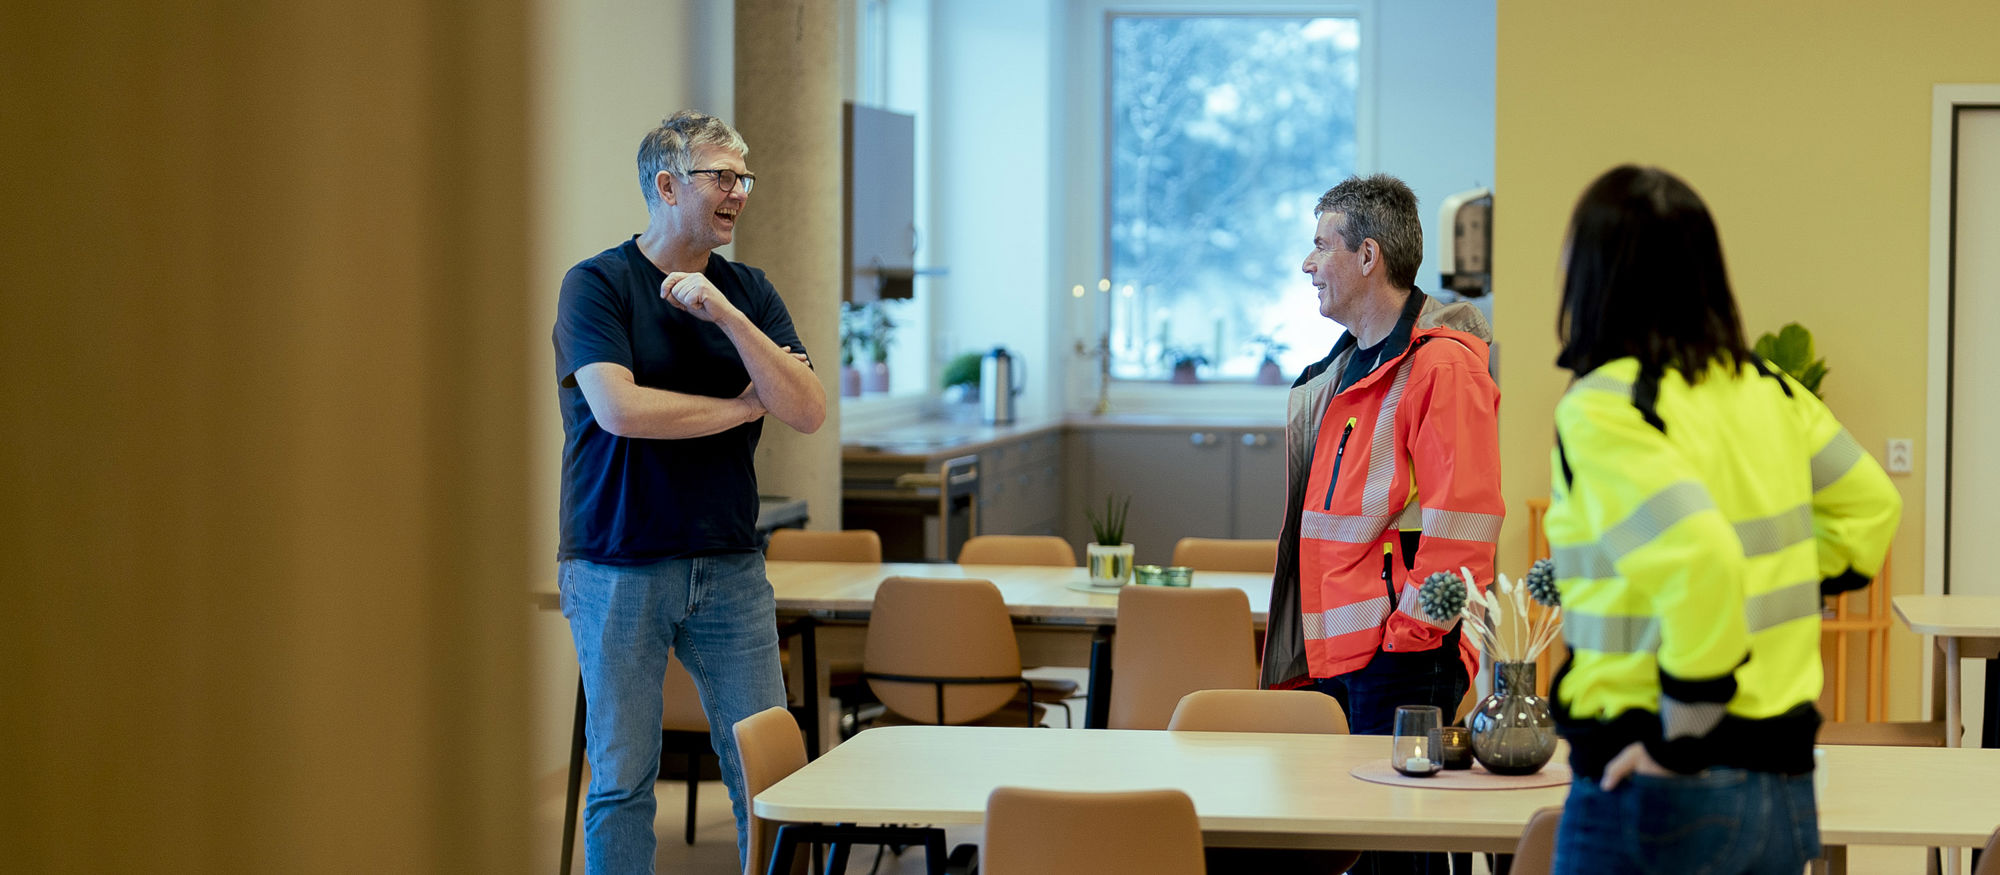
(718, 614)
(1370, 695)
(1722, 822)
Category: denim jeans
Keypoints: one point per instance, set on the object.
(1370, 695)
(1722, 822)
(718, 614)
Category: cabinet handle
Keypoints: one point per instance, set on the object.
(1256, 440)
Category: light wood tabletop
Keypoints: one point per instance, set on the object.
(1966, 627)
(1034, 593)
(1269, 789)
(1959, 616)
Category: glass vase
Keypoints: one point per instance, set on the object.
(1512, 730)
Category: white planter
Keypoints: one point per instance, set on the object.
(1110, 566)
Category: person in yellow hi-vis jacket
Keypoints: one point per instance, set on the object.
(1702, 504)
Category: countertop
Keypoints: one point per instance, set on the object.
(941, 439)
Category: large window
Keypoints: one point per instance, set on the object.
(1223, 132)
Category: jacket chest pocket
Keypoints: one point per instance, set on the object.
(1339, 454)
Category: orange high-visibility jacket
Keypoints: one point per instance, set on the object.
(1414, 445)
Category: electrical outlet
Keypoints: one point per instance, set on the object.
(1899, 459)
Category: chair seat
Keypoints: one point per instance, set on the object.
(1014, 713)
(1053, 689)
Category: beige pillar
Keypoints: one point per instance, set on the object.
(262, 302)
(788, 110)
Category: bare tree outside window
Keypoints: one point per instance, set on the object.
(1225, 130)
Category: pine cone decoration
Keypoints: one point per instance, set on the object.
(1541, 583)
(1442, 596)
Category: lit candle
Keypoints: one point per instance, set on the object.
(1416, 764)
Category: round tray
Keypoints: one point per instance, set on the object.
(1556, 773)
(1084, 586)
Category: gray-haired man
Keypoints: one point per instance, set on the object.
(668, 358)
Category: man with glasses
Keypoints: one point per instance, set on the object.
(668, 358)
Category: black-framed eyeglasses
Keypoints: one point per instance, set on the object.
(727, 179)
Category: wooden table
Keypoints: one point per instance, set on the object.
(1965, 626)
(1055, 625)
(1277, 790)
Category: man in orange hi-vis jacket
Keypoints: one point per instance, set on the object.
(1392, 472)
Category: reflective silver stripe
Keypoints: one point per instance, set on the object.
(1834, 460)
(1317, 526)
(1610, 633)
(1411, 517)
(1666, 507)
(1796, 601)
(1411, 606)
(1346, 618)
(1382, 456)
(1680, 719)
(1775, 532)
(1462, 525)
(1603, 383)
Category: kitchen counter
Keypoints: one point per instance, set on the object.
(935, 441)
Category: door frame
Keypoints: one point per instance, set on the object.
(1946, 101)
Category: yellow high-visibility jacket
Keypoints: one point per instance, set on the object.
(1693, 530)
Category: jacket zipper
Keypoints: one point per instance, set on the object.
(1337, 453)
(1388, 565)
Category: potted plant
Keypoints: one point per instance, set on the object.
(1184, 360)
(1110, 557)
(881, 329)
(962, 374)
(1268, 373)
(853, 330)
(1791, 349)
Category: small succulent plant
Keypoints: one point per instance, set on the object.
(1541, 583)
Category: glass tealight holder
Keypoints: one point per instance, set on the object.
(1454, 747)
(1179, 575)
(1413, 750)
(1149, 575)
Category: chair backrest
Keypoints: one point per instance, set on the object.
(1989, 859)
(1046, 550)
(1301, 711)
(1173, 641)
(1535, 854)
(941, 627)
(680, 704)
(799, 545)
(769, 747)
(1224, 554)
(1053, 832)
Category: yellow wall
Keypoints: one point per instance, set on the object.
(1806, 127)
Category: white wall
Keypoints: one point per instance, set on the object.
(1434, 62)
(991, 188)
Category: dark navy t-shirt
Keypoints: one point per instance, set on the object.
(629, 501)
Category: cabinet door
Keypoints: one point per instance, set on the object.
(1179, 482)
(1260, 482)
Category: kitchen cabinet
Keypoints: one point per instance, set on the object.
(1184, 482)
(1020, 486)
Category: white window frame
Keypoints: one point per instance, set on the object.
(1083, 235)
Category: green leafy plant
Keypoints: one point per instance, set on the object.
(962, 370)
(1109, 529)
(1791, 349)
(853, 331)
(881, 330)
(1184, 356)
(1268, 347)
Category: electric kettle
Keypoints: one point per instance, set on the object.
(1001, 376)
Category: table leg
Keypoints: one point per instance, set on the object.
(1097, 704)
(1953, 708)
(575, 779)
(1832, 861)
(1989, 731)
(810, 668)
